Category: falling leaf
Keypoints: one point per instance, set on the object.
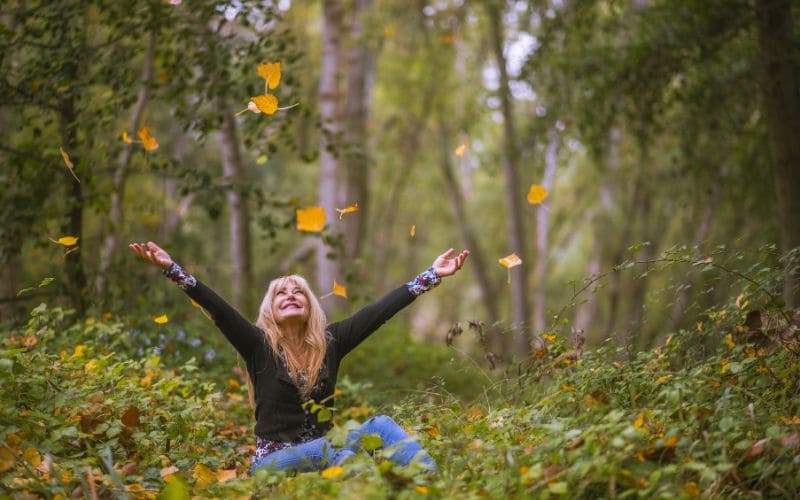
(510, 261)
(461, 149)
(203, 476)
(161, 319)
(536, 194)
(271, 72)
(332, 472)
(126, 138)
(67, 241)
(265, 103)
(339, 289)
(413, 231)
(148, 141)
(347, 210)
(311, 219)
(548, 337)
(68, 162)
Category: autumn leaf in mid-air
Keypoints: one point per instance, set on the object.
(347, 210)
(413, 231)
(271, 73)
(126, 138)
(161, 319)
(510, 261)
(266, 103)
(148, 141)
(461, 149)
(536, 194)
(69, 164)
(338, 289)
(67, 241)
(311, 219)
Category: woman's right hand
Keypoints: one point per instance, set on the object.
(152, 253)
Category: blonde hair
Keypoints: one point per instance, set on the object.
(315, 339)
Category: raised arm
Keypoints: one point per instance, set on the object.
(243, 335)
(350, 332)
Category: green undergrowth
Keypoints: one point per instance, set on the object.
(710, 412)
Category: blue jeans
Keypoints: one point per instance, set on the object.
(320, 453)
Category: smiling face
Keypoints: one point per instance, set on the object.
(289, 303)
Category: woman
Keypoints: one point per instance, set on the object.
(293, 359)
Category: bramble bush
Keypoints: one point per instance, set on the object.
(711, 411)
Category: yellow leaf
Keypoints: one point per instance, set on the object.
(233, 384)
(548, 337)
(413, 231)
(461, 149)
(536, 194)
(639, 422)
(226, 475)
(434, 431)
(671, 441)
(271, 72)
(729, 341)
(265, 103)
(567, 388)
(663, 378)
(723, 365)
(32, 457)
(161, 319)
(148, 141)
(421, 489)
(203, 476)
(126, 138)
(67, 241)
(347, 210)
(78, 352)
(339, 289)
(332, 472)
(311, 219)
(69, 164)
(510, 261)
(90, 365)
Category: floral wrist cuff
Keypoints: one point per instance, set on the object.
(176, 273)
(423, 282)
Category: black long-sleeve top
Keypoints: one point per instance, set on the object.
(280, 414)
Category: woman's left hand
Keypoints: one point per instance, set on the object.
(445, 264)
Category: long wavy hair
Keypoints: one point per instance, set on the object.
(315, 339)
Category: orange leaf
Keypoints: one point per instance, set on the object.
(548, 337)
(461, 149)
(311, 219)
(413, 231)
(226, 475)
(347, 210)
(265, 103)
(68, 162)
(148, 141)
(339, 289)
(203, 476)
(271, 72)
(536, 194)
(6, 459)
(671, 441)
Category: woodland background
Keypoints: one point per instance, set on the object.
(665, 134)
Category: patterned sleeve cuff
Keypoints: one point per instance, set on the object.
(176, 273)
(423, 282)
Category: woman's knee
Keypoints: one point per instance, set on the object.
(381, 421)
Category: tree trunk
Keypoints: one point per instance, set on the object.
(519, 274)
(360, 78)
(75, 278)
(329, 148)
(116, 209)
(782, 106)
(477, 261)
(542, 228)
(238, 211)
